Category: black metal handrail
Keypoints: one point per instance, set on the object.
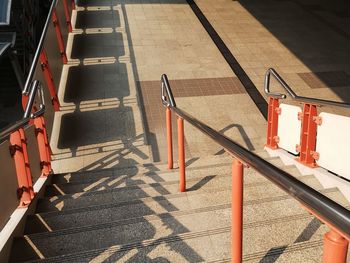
(38, 50)
(294, 96)
(321, 205)
(28, 115)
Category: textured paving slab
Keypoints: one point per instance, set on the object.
(259, 36)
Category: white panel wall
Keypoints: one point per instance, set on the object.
(289, 127)
(333, 144)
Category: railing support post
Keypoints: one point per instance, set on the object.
(67, 14)
(169, 138)
(24, 187)
(237, 211)
(308, 135)
(60, 41)
(43, 145)
(49, 80)
(181, 150)
(272, 123)
(26, 161)
(335, 248)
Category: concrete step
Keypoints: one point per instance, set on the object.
(197, 240)
(168, 177)
(206, 184)
(161, 206)
(152, 170)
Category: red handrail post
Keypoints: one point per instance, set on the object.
(308, 135)
(169, 138)
(43, 145)
(67, 14)
(24, 187)
(26, 161)
(272, 123)
(237, 211)
(60, 41)
(181, 149)
(335, 248)
(49, 80)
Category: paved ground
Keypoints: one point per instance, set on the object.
(101, 113)
(306, 41)
(110, 94)
(216, 65)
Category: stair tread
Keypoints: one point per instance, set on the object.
(216, 242)
(182, 204)
(252, 191)
(148, 179)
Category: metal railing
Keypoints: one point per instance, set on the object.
(39, 49)
(50, 50)
(325, 209)
(291, 93)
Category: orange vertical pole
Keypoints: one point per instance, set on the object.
(16, 151)
(308, 135)
(26, 161)
(49, 80)
(67, 14)
(60, 41)
(169, 138)
(181, 149)
(45, 156)
(335, 248)
(237, 211)
(272, 123)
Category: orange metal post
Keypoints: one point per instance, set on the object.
(24, 187)
(335, 248)
(49, 80)
(44, 151)
(67, 14)
(60, 41)
(308, 135)
(26, 161)
(169, 138)
(181, 149)
(272, 123)
(237, 211)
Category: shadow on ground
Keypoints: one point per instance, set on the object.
(317, 33)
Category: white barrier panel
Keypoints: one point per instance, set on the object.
(333, 144)
(289, 128)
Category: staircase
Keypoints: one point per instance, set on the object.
(136, 214)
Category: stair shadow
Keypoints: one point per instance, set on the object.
(97, 45)
(97, 19)
(95, 127)
(96, 82)
(97, 2)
